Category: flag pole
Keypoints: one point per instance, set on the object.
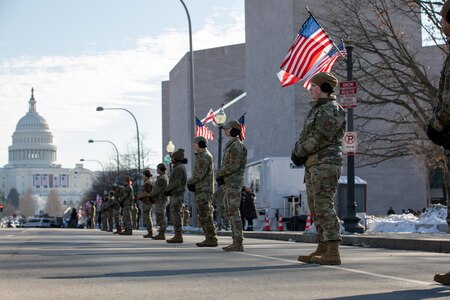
(342, 55)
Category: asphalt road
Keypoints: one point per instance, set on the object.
(90, 264)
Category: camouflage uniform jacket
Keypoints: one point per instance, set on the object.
(441, 111)
(233, 165)
(203, 175)
(128, 195)
(146, 192)
(322, 132)
(157, 192)
(118, 197)
(177, 179)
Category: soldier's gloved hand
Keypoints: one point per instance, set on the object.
(191, 187)
(435, 136)
(298, 161)
(220, 181)
(167, 193)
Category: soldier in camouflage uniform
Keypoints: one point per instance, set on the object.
(134, 216)
(104, 222)
(231, 174)
(161, 200)
(319, 150)
(147, 203)
(108, 211)
(202, 184)
(439, 127)
(93, 215)
(221, 219)
(127, 201)
(115, 205)
(175, 189)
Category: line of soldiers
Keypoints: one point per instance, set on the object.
(170, 191)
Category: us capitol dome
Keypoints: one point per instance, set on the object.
(32, 142)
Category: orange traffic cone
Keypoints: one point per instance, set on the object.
(267, 227)
(308, 222)
(280, 223)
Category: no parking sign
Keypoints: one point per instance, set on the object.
(350, 142)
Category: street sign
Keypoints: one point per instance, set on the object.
(350, 142)
(347, 94)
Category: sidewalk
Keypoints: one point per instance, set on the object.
(436, 242)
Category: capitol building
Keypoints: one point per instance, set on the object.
(32, 162)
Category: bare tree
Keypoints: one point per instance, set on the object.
(393, 74)
(28, 205)
(53, 206)
(231, 94)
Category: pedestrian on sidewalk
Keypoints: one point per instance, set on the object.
(439, 125)
(248, 207)
(319, 149)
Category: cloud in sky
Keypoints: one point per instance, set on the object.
(69, 88)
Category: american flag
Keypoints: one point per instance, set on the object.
(243, 131)
(311, 44)
(98, 201)
(202, 130)
(325, 64)
(209, 117)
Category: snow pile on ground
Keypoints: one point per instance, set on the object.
(426, 223)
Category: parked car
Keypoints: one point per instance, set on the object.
(36, 222)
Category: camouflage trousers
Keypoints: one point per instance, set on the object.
(221, 219)
(176, 210)
(321, 184)
(126, 216)
(116, 216)
(232, 201)
(134, 217)
(104, 220)
(147, 210)
(109, 219)
(160, 214)
(205, 213)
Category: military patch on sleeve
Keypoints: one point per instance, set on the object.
(328, 125)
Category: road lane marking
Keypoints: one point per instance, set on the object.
(347, 270)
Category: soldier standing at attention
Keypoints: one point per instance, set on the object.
(439, 125)
(202, 184)
(127, 201)
(109, 214)
(134, 216)
(231, 175)
(93, 215)
(175, 189)
(147, 204)
(161, 200)
(319, 150)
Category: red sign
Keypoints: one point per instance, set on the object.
(347, 94)
(1, 205)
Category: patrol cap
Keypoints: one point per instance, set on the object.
(325, 80)
(445, 11)
(147, 173)
(200, 139)
(232, 124)
(178, 155)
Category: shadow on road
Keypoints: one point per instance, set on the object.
(434, 293)
(165, 273)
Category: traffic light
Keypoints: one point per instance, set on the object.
(1, 207)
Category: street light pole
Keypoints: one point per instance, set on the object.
(191, 123)
(117, 151)
(170, 148)
(103, 169)
(220, 119)
(100, 108)
(351, 220)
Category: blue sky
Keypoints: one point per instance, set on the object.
(82, 54)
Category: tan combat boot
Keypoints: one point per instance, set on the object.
(178, 238)
(148, 235)
(443, 279)
(160, 235)
(321, 249)
(236, 246)
(331, 257)
(229, 246)
(209, 242)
